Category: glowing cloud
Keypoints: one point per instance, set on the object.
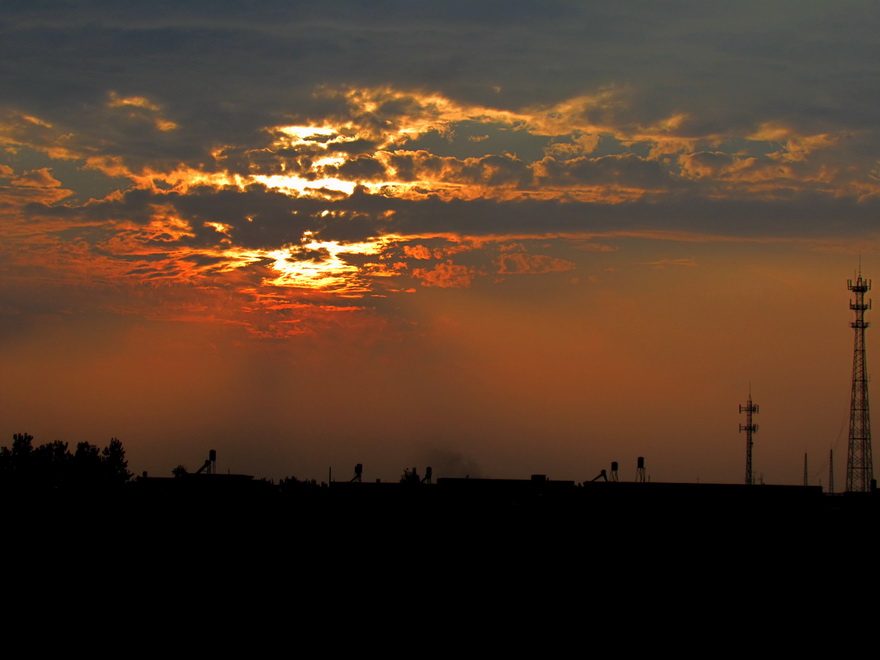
(446, 275)
(519, 263)
(150, 110)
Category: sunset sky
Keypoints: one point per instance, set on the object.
(499, 237)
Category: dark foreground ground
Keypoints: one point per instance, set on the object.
(233, 509)
(488, 567)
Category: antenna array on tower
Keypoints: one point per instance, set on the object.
(749, 409)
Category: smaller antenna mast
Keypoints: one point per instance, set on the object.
(749, 409)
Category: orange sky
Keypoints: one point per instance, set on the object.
(497, 270)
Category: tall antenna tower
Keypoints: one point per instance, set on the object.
(831, 472)
(749, 409)
(859, 465)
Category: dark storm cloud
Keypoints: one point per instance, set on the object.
(625, 170)
(492, 170)
(810, 216)
(359, 168)
(258, 218)
(222, 72)
(160, 86)
(255, 218)
(133, 206)
(706, 163)
(352, 147)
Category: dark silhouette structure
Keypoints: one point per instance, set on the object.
(859, 463)
(50, 479)
(410, 476)
(831, 471)
(210, 464)
(749, 427)
(603, 475)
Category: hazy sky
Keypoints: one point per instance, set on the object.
(498, 238)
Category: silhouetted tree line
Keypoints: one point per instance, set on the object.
(53, 466)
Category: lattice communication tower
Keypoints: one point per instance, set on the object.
(749, 427)
(859, 464)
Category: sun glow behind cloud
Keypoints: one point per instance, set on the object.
(329, 271)
(592, 153)
(294, 185)
(418, 146)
